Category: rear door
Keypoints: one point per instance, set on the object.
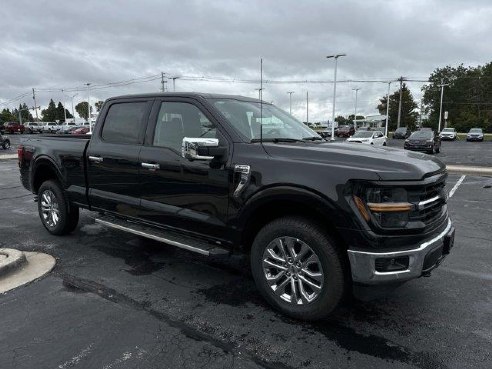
(177, 192)
(113, 156)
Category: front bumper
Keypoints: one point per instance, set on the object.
(421, 260)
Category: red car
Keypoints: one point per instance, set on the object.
(345, 131)
(13, 127)
(80, 131)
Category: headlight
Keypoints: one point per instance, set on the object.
(388, 207)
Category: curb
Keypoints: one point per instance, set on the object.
(465, 169)
(9, 156)
(10, 260)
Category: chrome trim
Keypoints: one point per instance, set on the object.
(362, 263)
(421, 204)
(96, 159)
(245, 172)
(153, 237)
(151, 166)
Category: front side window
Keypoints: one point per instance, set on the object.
(254, 120)
(123, 122)
(177, 120)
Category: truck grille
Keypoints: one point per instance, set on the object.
(429, 200)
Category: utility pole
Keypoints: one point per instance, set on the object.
(442, 85)
(387, 109)
(163, 87)
(20, 117)
(355, 110)
(260, 93)
(290, 101)
(307, 107)
(401, 79)
(89, 107)
(35, 104)
(334, 93)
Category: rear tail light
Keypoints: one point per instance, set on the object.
(20, 154)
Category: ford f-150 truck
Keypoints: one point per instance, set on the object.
(220, 174)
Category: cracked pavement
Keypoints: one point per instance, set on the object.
(115, 300)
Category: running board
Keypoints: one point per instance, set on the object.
(170, 238)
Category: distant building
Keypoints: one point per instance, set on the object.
(372, 121)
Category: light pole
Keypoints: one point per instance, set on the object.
(387, 109)
(260, 93)
(174, 82)
(73, 111)
(307, 108)
(89, 107)
(290, 101)
(355, 110)
(442, 85)
(401, 79)
(336, 56)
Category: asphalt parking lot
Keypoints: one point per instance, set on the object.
(118, 301)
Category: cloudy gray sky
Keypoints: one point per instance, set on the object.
(64, 44)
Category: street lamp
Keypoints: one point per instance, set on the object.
(387, 108)
(355, 110)
(290, 101)
(89, 107)
(442, 85)
(336, 56)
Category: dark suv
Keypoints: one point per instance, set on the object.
(402, 133)
(423, 140)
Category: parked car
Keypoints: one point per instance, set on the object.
(423, 140)
(67, 128)
(345, 131)
(376, 138)
(475, 134)
(80, 131)
(402, 133)
(197, 173)
(4, 142)
(14, 127)
(33, 127)
(448, 134)
(51, 127)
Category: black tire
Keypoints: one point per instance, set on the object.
(334, 281)
(67, 215)
(6, 144)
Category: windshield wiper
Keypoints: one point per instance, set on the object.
(314, 138)
(277, 139)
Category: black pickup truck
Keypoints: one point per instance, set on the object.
(220, 174)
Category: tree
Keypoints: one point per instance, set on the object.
(6, 116)
(341, 120)
(25, 113)
(408, 106)
(467, 96)
(81, 109)
(61, 111)
(99, 105)
(50, 113)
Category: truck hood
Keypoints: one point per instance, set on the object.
(384, 162)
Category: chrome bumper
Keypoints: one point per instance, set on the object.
(362, 263)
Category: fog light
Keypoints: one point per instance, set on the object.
(392, 264)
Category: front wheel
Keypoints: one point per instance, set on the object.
(58, 216)
(298, 269)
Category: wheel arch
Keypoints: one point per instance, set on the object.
(43, 170)
(276, 202)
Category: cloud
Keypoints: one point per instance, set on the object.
(60, 44)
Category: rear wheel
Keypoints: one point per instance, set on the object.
(6, 145)
(58, 216)
(297, 268)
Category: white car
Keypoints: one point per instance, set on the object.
(376, 138)
(448, 134)
(51, 127)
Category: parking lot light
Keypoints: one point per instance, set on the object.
(336, 56)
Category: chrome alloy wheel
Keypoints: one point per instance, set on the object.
(50, 209)
(293, 270)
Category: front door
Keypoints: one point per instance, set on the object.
(177, 192)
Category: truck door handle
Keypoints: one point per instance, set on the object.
(96, 159)
(151, 166)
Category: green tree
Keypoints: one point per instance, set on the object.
(50, 113)
(408, 106)
(81, 109)
(6, 116)
(25, 113)
(341, 120)
(99, 105)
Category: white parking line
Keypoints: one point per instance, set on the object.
(453, 190)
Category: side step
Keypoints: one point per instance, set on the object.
(171, 238)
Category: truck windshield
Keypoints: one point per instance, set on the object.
(249, 119)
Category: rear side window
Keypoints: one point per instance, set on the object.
(123, 122)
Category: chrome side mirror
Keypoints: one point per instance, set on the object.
(194, 148)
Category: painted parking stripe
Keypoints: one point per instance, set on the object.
(453, 190)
